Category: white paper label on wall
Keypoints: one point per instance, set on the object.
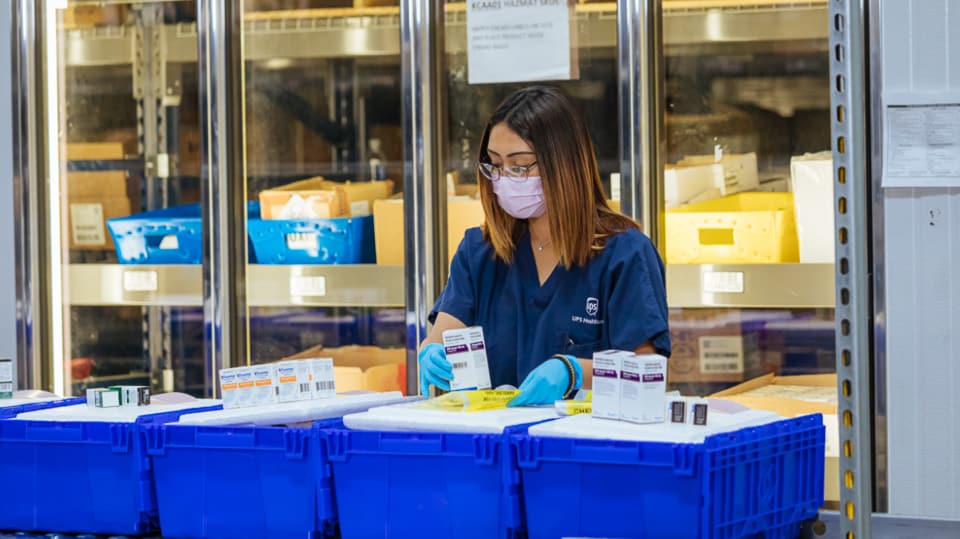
(519, 41)
(721, 355)
(141, 281)
(723, 282)
(922, 145)
(303, 285)
(87, 224)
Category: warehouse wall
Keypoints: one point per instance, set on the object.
(8, 303)
(921, 53)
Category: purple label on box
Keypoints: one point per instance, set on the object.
(477, 346)
(604, 373)
(632, 376)
(653, 377)
(457, 349)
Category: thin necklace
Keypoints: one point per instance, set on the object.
(541, 245)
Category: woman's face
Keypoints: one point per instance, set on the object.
(507, 149)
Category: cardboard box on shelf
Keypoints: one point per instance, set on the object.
(361, 195)
(702, 177)
(462, 213)
(811, 180)
(713, 345)
(81, 151)
(792, 396)
(85, 16)
(304, 199)
(86, 220)
(357, 368)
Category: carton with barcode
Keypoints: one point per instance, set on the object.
(233, 394)
(293, 381)
(263, 385)
(467, 354)
(6, 378)
(321, 378)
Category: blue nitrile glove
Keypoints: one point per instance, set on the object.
(434, 368)
(547, 383)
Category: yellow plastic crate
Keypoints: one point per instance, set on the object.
(746, 228)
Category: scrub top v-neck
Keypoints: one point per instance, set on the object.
(617, 300)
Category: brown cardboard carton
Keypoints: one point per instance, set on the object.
(80, 151)
(360, 195)
(86, 220)
(711, 345)
(780, 394)
(105, 184)
(357, 368)
(310, 199)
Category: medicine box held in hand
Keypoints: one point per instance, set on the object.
(467, 354)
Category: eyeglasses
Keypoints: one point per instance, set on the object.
(495, 172)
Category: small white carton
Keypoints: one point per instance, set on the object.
(229, 387)
(6, 378)
(263, 385)
(643, 389)
(322, 380)
(606, 382)
(467, 353)
(104, 397)
(293, 381)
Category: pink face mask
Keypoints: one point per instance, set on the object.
(521, 199)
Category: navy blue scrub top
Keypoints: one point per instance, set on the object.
(617, 301)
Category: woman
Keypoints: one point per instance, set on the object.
(554, 274)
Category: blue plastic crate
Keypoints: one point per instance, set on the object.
(760, 482)
(175, 236)
(79, 477)
(257, 482)
(342, 240)
(7, 412)
(401, 485)
(168, 236)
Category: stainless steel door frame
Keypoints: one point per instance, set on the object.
(642, 145)
(425, 208)
(224, 198)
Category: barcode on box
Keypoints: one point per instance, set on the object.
(460, 365)
(6, 387)
(305, 387)
(326, 386)
(721, 355)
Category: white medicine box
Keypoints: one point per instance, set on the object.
(467, 354)
(606, 382)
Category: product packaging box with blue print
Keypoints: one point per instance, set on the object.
(293, 381)
(6, 378)
(467, 354)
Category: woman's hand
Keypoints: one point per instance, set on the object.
(435, 369)
(547, 383)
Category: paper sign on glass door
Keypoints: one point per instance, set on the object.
(519, 41)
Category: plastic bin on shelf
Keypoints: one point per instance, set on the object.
(256, 481)
(80, 476)
(757, 482)
(168, 236)
(746, 228)
(174, 236)
(340, 240)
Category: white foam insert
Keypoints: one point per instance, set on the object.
(123, 414)
(585, 426)
(295, 412)
(8, 403)
(414, 418)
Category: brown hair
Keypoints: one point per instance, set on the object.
(580, 219)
